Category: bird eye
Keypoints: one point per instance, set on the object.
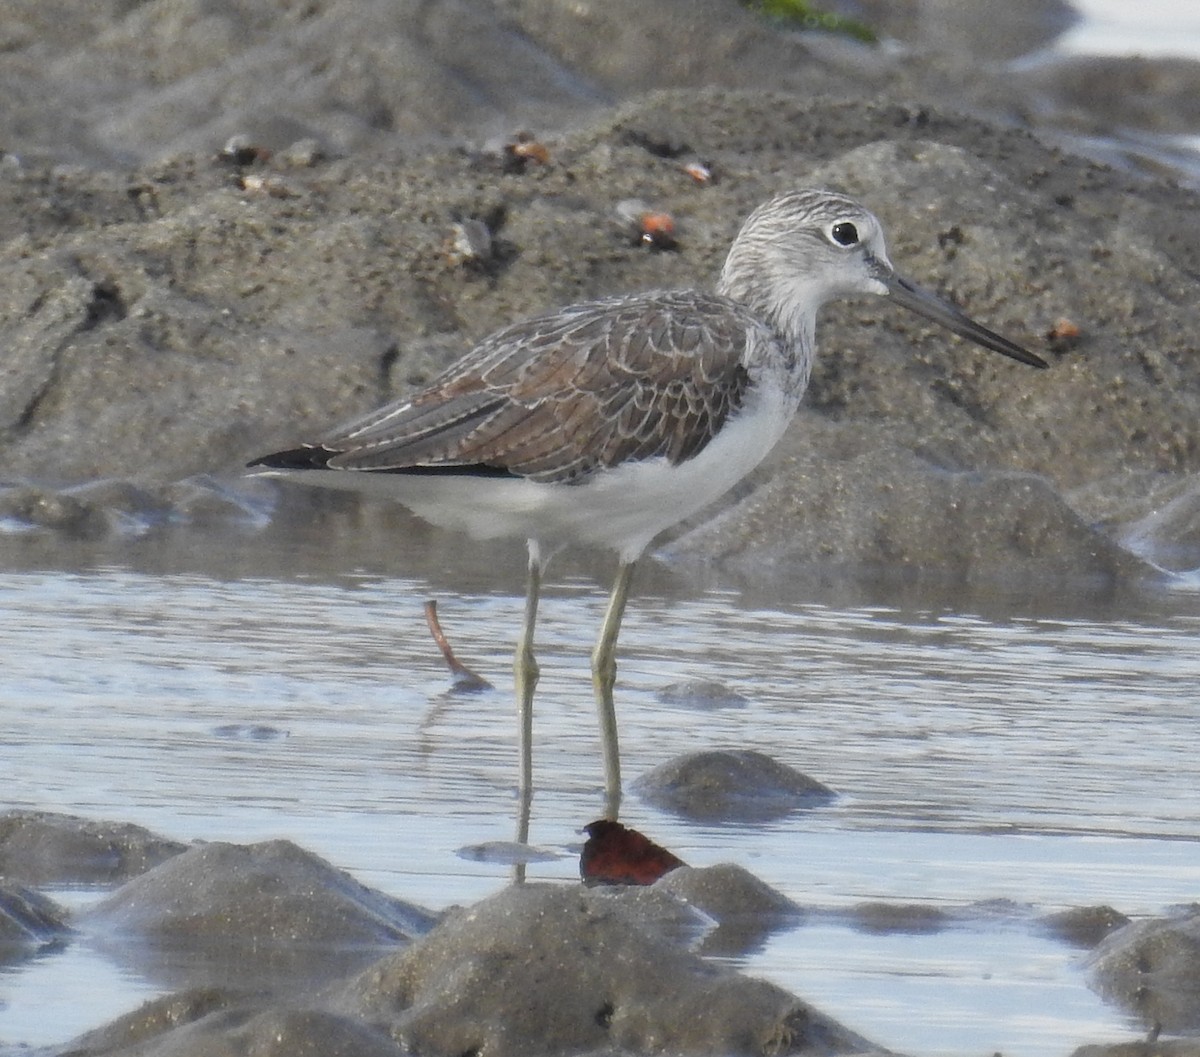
(844, 233)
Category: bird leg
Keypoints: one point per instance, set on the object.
(525, 670)
(604, 677)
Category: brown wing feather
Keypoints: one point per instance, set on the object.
(562, 395)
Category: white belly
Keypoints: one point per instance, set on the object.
(623, 508)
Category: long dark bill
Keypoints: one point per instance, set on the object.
(931, 306)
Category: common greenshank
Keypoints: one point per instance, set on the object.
(607, 422)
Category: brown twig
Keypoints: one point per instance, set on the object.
(464, 678)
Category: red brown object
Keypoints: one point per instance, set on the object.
(699, 171)
(617, 855)
(658, 230)
(464, 678)
(524, 148)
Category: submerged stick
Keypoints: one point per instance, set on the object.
(464, 678)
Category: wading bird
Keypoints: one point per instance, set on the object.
(609, 421)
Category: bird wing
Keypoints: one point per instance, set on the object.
(562, 395)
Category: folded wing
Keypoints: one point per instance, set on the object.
(563, 395)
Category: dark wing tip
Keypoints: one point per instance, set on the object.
(308, 457)
(317, 457)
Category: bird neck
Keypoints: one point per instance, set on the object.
(789, 309)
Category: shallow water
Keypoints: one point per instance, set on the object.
(1034, 750)
(1149, 28)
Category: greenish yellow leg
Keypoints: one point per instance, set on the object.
(525, 669)
(604, 677)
